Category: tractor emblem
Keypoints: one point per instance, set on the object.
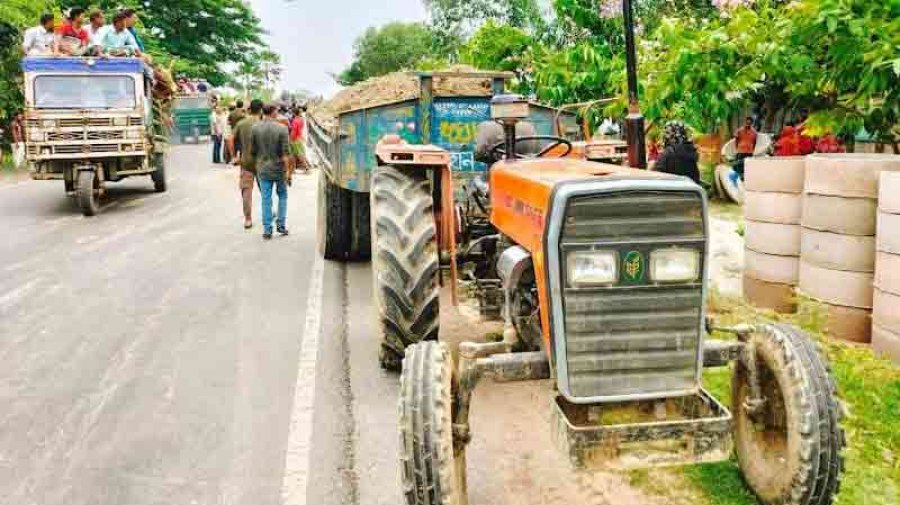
(634, 266)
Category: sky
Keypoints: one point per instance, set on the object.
(315, 37)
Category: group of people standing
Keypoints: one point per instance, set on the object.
(83, 34)
(267, 145)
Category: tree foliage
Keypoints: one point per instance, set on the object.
(392, 47)
(15, 17)
(454, 20)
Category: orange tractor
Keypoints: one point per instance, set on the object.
(602, 272)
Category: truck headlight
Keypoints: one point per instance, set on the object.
(674, 265)
(133, 134)
(37, 136)
(588, 268)
(120, 121)
(48, 123)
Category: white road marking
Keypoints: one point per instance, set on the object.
(296, 461)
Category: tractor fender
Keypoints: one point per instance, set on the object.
(392, 150)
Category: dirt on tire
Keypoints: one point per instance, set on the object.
(405, 264)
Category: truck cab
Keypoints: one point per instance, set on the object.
(192, 115)
(89, 121)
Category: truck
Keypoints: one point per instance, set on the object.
(90, 121)
(345, 149)
(192, 116)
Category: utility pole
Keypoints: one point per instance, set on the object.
(634, 122)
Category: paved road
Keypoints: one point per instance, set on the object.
(160, 354)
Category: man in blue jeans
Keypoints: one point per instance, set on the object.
(270, 146)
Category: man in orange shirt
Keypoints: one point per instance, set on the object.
(744, 145)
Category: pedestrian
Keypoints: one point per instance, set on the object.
(41, 40)
(270, 146)
(218, 121)
(74, 38)
(298, 149)
(131, 19)
(235, 114)
(243, 157)
(17, 128)
(744, 145)
(679, 155)
(227, 136)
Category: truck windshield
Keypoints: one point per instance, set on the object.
(191, 103)
(84, 92)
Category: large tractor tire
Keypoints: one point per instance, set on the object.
(433, 471)
(405, 264)
(87, 192)
(789, 446)
(159, 175)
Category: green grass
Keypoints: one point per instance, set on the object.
(870, 389)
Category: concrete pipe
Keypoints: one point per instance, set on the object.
(781, 208)
(847, 216)
(886, 312)
(849, 175)
(848, 323)
(888, 239)
(887, 273)
(772, 268)
(771, 238)
(782, 174)
(837, 252)
(770, 295)
(889, 193)
(886, 342)
(837, 287)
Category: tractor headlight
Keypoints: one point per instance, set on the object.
(674, 265)
(588, 268)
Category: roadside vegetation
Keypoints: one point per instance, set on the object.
(870, 389)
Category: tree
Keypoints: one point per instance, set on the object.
(454, 20)
(498, 47)
(200, 37)
(15, 16)
(392, 47)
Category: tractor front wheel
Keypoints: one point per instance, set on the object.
(433, 470)
(787, 434)
(87, 192)
(405, 264)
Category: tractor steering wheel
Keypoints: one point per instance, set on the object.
(499, 150)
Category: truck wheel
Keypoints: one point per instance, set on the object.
(361, 238)
(404, 260)
(87, 192)
(433, 472)
(789, 446)
(159, 175)
(333, 218)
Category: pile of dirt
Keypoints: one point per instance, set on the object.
(396, 87)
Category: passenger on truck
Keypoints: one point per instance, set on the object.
(41, 40)
(95, 28)
(118, 41)
(73, 37)
(131, 19)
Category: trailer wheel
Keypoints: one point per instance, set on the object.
(158, 176)
(333, 220)
(433, 471)
(789, 445)
(361, 227)
(87, 192)
(405, 265)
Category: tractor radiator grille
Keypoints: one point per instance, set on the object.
(636, 337)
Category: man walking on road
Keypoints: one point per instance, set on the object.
(270, 146)
(243, 156)
(18, 140)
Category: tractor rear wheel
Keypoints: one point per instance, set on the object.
(405, 264)
(87, 192)
(158, 176)
(788, 441)
(433, 471)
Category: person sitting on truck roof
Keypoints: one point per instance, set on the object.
(131, 19)
(41, 40)
(74, 38)
(95, 29)
(117, 40)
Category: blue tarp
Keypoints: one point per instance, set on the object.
(86, 65)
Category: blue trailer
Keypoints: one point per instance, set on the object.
(347, 153)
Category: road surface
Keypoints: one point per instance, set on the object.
(159, 354)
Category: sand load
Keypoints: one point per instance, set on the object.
(886, 313)
(837, 240)
(772, 210)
